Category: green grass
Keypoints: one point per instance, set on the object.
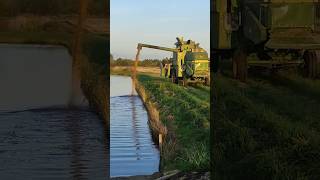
(266, 129)
(185, 112)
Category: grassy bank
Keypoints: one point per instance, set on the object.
(185, 113)
(268, 128)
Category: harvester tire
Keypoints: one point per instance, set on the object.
(240, 65)
(185, 81)
(174, 78)
(312, 61)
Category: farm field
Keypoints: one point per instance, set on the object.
(126, 70)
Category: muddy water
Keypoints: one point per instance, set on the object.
(40, 138)
(132, 151)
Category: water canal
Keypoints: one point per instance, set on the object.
(132, 150)
(40, 137)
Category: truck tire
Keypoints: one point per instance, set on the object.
(240, 65)
(311, 65)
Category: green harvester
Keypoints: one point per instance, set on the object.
(190, 62)
(266, 34)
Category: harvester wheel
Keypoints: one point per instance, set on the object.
(185, 81)
(240, 65)
(174, 78)
(312, 62)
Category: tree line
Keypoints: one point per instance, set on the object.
(145, 62)
(49, 7)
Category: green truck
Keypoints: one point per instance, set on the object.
(190, 62)
(269, 34)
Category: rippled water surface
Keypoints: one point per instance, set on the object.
(52, 144)
(47, 142)
(132, 151)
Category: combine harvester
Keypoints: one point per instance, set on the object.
(276, 33)
(190, 62)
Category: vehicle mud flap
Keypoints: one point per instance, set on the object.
(240, 65)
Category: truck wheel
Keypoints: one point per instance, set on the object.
(240, 65)
(311, 66)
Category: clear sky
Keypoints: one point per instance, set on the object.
(157, 22)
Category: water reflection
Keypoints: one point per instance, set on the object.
(53, 143)
(33, 76)
(132, 150)
(135, 125)
(76, 161)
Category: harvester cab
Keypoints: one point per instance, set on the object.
(190, 62)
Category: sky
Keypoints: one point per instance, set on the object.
(157, 22)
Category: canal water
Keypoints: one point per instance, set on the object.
(40, 137)
(132, 150)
